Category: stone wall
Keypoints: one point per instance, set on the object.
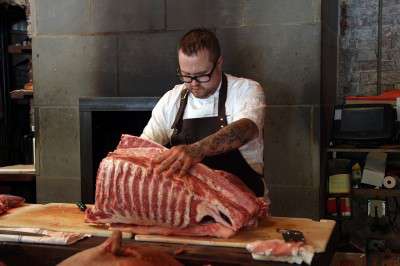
(127, 48)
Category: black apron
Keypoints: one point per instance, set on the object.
(188, 131)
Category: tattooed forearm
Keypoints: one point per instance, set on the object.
(195, 153)
(229, 138)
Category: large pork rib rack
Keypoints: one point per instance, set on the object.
(205, 202)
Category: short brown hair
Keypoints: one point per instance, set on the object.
(199, 39)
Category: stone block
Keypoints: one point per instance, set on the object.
(62, 17)
(57, 142)
(290, 140)
(289, 201)
(207, 13)
(66, 68)
(126, 15)
(65, 190)
(148, 63)
(281, 12)
(282, 58)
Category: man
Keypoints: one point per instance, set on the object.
(213, 118)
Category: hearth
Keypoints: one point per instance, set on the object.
(102, 121)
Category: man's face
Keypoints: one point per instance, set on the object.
(196, 66)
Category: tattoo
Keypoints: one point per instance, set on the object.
(229, 138)
(195, 152)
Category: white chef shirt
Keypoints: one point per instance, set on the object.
(245, 99)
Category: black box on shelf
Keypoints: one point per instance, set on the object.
(364, 124)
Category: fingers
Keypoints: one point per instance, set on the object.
(113, 243)
(185, 168)
(175, 167)
(177, 160)
(161, 157)
(116, 239)
(166, 160)
(131, 252)
(165, 164)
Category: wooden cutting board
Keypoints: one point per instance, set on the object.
(316, 233)
(68, 218)
(62, 217)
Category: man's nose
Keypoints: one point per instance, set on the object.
(194, 82)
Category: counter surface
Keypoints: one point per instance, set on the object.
(43, 255)
(67, 217)
(18, 169)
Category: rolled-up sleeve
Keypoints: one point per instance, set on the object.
(251, 105)
(157, 128)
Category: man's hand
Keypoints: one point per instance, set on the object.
(105, 254)
(179, 159)
(112, 253)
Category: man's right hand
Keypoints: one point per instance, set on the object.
(178, 160)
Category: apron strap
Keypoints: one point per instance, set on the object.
(221, 101)
(182, 105)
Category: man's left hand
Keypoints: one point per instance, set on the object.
(179, 159)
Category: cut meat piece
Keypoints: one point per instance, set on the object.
(279, 250)
(9, 201)
(3, 207)
(204, 202)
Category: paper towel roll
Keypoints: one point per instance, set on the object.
(390, 181)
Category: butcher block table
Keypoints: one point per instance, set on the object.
(189, 250)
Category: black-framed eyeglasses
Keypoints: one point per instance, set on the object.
(199, 78)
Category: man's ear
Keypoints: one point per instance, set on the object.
(220, 61)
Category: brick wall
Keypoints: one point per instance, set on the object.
(359, 45)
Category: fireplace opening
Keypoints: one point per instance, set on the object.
(108, 126)
(102, 121)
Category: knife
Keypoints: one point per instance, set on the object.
(20, 233)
